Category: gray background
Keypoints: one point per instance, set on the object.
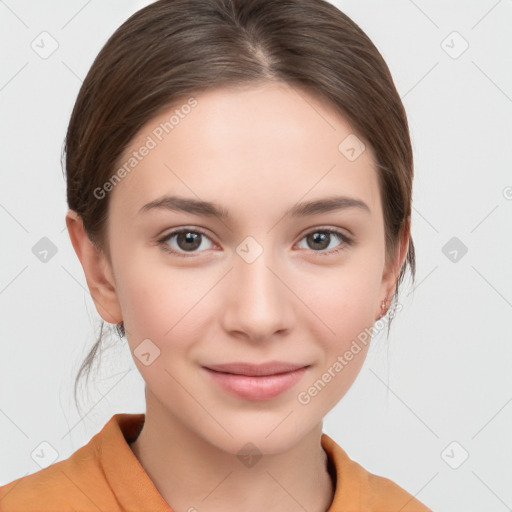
(438, 390)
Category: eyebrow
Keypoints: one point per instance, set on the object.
(210, 209)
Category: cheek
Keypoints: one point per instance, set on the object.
(145, 292)
(159, 329)
(166, 305)
(344, 298)
(343, 333)
(343, 301)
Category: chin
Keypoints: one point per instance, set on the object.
(275, 434)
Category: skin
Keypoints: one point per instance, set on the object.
(256, 151)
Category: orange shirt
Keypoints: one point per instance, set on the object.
(104, 475)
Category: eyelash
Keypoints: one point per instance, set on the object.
(346, 241)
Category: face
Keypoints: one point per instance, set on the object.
(257, 284)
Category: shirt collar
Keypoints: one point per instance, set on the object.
(135, 490)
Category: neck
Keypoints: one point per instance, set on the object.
(192, 474)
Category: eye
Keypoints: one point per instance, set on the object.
(187, 240)
(320, 239)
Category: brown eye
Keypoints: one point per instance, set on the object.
(186, 241)
(321, 239)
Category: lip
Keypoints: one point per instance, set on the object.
(256, 382)
(250, 369)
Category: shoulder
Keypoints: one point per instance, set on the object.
(359, 490)
(76, 483)
(53, 488)
(386, 496)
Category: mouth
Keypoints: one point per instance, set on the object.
(256, 370)
(256, 382)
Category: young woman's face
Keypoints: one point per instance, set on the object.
(257, 285)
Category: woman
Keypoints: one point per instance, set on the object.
(269, 137)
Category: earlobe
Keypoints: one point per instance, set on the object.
(392, 271)
(97, 270)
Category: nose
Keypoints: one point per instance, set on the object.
(258, 302)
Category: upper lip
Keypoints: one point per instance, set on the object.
(270, 368)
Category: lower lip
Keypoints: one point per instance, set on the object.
(257, 388)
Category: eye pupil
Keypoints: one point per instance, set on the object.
(188, 237)
(319, 237)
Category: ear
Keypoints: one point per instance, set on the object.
(392, 270)
(97, 269)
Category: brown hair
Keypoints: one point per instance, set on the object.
(175, 48)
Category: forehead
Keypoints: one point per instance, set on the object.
(266, 145)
